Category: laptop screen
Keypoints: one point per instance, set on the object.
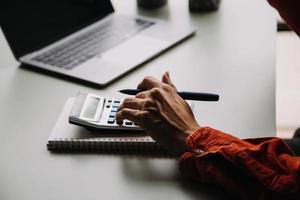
(31, 24)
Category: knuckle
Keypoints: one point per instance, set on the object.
(126, 111)
(136, 115)
(140, 95)
(127, 100)
(155, 91)
(120, 113)
(124, 103)
(167, 87)
(143, 95)
(145, 80)
(130, 103)
(119, 116)
(148, 103)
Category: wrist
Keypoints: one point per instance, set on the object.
(192, 129)
(181, 145)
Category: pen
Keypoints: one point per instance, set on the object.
(185, 95)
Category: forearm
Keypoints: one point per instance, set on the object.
(259, 167)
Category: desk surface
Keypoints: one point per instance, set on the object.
(233, 54)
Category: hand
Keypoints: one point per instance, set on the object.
(161, 112)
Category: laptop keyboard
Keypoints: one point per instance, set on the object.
(93, 42)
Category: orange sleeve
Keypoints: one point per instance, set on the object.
(262, 168)
(289, 10)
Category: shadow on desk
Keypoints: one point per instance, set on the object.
(156, 169)
(146, 154)
(153, 171)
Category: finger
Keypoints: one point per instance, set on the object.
(149, 83)
(132, 103)
(142, 95)
(167, 80)
(165, 76)
(129, 114)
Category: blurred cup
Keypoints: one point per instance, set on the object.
(151, 4)
(203, 5)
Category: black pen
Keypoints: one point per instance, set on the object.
(185, 95)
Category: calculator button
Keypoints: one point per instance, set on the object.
(112, 114)
(128, 122)
(111, 120)
(114, 109)
(108, 104)
(117, 101)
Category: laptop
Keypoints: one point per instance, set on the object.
(84, 40)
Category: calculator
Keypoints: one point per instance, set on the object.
(98, 113)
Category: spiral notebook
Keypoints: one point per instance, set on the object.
(65, 136)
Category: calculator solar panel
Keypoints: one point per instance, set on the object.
(96, 112)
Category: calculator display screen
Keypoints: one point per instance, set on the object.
(91, 107)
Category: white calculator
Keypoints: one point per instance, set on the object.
(96, 112)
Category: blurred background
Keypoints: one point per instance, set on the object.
(287, 81)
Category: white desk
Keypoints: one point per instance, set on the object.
(233, 54)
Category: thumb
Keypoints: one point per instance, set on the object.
(167, 80)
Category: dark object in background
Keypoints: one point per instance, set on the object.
(151, 4)
(281, 25)
(297, 133)
(203, 5)
(294, 142)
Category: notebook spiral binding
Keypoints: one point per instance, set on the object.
(103, 144)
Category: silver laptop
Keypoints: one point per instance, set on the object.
(84, 39)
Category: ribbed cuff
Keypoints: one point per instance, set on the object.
(200, 140)
(191, 141)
